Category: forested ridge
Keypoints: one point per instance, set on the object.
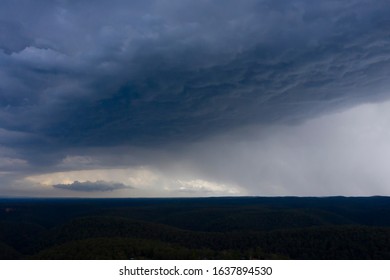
(196, 228)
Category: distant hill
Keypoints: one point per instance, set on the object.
(196, 228)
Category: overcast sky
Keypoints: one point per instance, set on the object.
(194, 98)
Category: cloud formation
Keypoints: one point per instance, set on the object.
(135, 182)
(113, 84)
(155, 72)
(98, 186)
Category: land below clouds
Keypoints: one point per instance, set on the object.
(196, 228)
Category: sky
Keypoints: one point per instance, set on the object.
(179, 98)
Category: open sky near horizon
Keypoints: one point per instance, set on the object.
(194, 98)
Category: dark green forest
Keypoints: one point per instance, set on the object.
(196, 228)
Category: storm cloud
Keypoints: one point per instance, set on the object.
(153, 84)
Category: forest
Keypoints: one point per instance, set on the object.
(196, 228)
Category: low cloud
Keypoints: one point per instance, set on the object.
(98, 186)
(144, 182)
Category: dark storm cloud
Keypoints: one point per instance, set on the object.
(107, 73)
(98, 186)
(12, 37)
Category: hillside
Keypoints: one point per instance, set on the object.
(196, 228)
